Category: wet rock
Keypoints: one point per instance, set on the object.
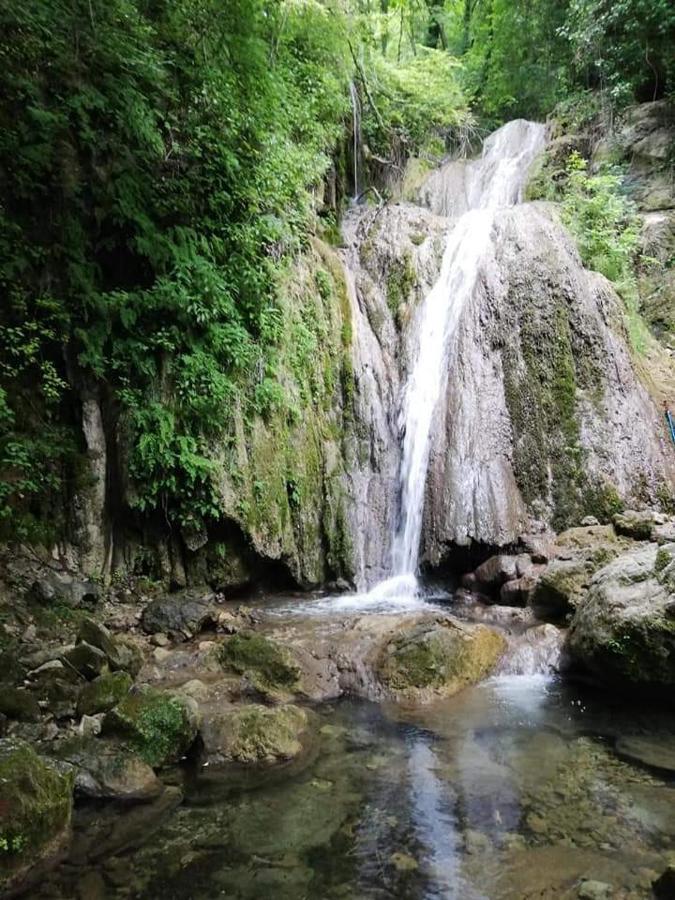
(595, 890)
(268, 665)
(108, 772)
(440, 657)
(537, 651)
(637, 524)
(255, 733)
(161, 727)
(519, 591)
(18, 704)
(654, 752)
(103, 693)
(182, 616)
(105, 832)
(85, 659)
(560, 588)
(622, 632)
(664, 886)
(35, 814)
(496, 570)
(58, 587)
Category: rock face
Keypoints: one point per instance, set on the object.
(624, 631)
(35, 813)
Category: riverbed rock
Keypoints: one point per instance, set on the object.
(181, 616)
(160, 726)
(266, 664)
(624, 631)
(108, 772)
(440, 657)
(255, 734)
(35, 814)
(560, 588)
(103, 693)
(87, 660)
(652, 751)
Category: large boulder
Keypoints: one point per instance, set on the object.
(637, 524)
(624, 631)
(120, 653)
(160, 727)
(110, 772)
(60, 588)
(36, 801)
(103, 693)
(438, 658)
(255, 734)
(266, 664)
(561, 588)
(182, 616)
(16, 703)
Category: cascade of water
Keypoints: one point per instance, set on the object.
(497, 179)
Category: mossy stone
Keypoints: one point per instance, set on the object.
(35, 812)
(103, 693)
(268, 665)
(159, 726)
(442, 656)
(18, 704)
(560, 588)
(256, 733)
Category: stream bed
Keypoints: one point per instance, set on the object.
(520, 787)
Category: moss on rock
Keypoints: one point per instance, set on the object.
(36, 801)
(442, 657)
(256, 733)
(268, 665)
(103, 693)
(159, 726)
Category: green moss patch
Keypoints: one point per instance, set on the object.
(264, 662)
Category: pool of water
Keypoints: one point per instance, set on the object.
(513, 789)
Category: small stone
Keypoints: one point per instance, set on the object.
(403, 862)
(160, 654)
(594, 890)
(29, 634)
(160, 640)
(90, 726)
(589, 521)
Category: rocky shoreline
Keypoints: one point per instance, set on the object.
(137, 683)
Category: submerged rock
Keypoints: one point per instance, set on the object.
(106, 771)
(255, 733)
(35, 814)
(624, 632)
(161, 727)
(440, 657)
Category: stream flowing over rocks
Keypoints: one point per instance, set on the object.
(480, 707)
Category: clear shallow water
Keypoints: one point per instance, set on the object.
(512, 789)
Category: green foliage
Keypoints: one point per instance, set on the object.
(606, 228)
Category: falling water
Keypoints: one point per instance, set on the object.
(496, 180)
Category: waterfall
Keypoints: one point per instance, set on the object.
(495, 180)
(356, 128)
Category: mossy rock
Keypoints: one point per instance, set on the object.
(256, 734)
(440, 657)
(624, 632)
(18, 704)
(160, 727)
(103, 693)
(636, 524)
(561, 588)
(268, 665)
(36, 801)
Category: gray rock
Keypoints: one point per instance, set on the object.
(108, 772)
(87, 660)
(636, 524)
(58, 587)
(595, 890)
(652, 751)
(621, 632)
(589, 520)
(496, 570)
(182, 615)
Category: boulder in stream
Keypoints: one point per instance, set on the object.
(255, 734)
